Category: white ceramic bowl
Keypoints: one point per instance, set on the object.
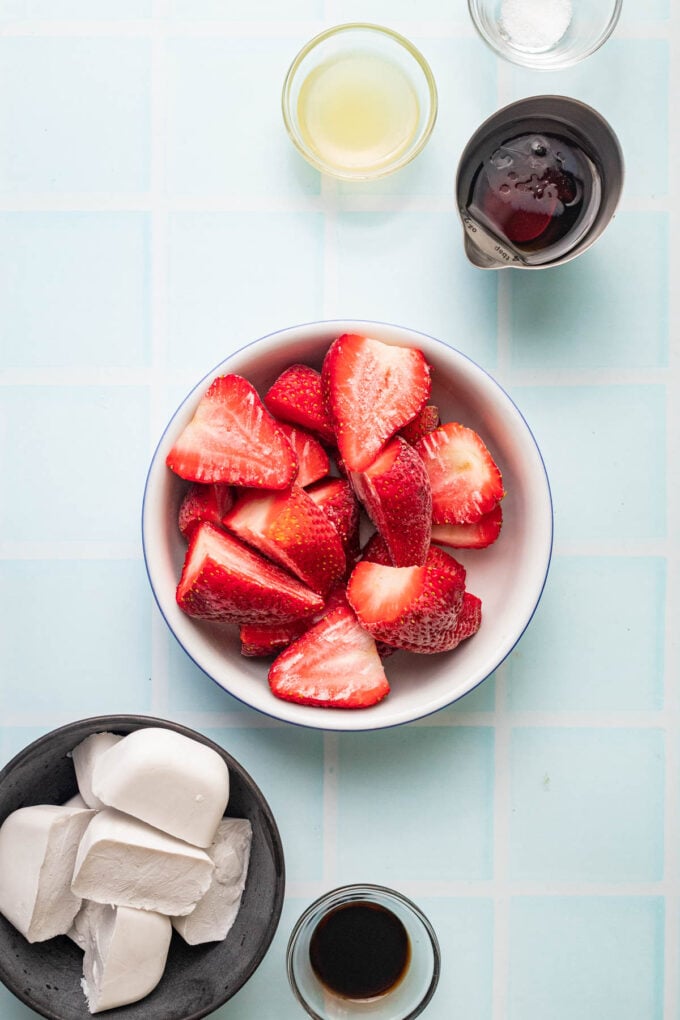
(508, 576)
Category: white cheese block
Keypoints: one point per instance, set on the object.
(125, 862)
(125, 955)
(214, 915)
(38, 847)
(168, 780)
(79, 930)
(85, 756)
(76, 801)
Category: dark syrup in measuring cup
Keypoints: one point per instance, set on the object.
(537, 192)
(360, 950)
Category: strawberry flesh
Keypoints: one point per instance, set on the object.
(372, 389)
(224, 580)
(478, 535)
(335, 664)
(293, 531)
(232, 439)
(258, 640)
(395, 491)
(313, 462)
(465, 480)
(203, 503)
(414, 608)
(270, 639)
(296, 398)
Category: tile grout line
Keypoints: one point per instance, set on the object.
(671, 982)
(159, 292)
(502, 730)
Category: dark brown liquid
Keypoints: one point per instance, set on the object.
(360, 950)
(535, 191)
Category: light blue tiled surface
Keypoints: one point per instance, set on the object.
(153, 218)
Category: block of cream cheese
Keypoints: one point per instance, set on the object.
(84, 756)
(214, 915)
(128, 863)
(168, 780)
(76, 801)
(38, 848)
(125, 955)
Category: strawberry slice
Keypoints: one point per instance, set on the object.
(337, 500)
(258, 640)
(224, 580)
(335, 664)
(203, 503)
(395, 491)
(232, 439)
(293, 531)
(376, 551)
(415, 608)
(427, 421)
(477, 535)
(270, 639)
(469, 619)
(466, 483)
(313, 462)
(296, 397)
(372, 389)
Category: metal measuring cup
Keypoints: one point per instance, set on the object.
(559, 115)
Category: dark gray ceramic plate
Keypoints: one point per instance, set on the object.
(198, 979)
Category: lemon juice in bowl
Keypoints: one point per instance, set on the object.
(359, 101)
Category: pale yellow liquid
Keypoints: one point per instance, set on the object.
(358, 113)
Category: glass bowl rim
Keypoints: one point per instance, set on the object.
(290, 120)
(533, 61)
(347, 894)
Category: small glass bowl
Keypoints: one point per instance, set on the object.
(358, 39)
(405, 1000)
(590, 25)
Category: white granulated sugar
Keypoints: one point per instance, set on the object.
(534, 24)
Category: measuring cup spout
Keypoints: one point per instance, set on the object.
(479, 258)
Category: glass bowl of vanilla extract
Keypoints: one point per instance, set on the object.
(363, 951)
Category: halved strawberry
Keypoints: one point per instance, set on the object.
(296, 398)
(203, 503)
(313, 462)
(336, 498)
(224, 580)
(477, 535)
(415, 608)
(335, 664)
(292, 530)
(372, 389)
(427, 421)
(233, 439)
(376, 551)
(469, 619)
(258, 640)
(395, 491)
(270, 639)
(465, 480)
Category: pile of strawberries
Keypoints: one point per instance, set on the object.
(273, 534)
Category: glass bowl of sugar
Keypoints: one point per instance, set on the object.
(545, 34)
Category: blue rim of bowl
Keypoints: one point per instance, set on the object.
(390, 325)
(111, 722)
